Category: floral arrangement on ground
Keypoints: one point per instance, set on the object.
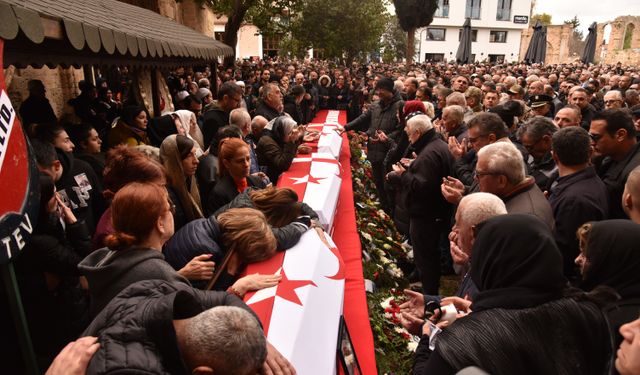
(384, 261)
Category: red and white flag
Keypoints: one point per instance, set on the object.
(301, 315)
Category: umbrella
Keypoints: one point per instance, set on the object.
(464, 49)
(590, 46)
(536, 53)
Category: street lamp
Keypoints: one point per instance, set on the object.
(420, 46)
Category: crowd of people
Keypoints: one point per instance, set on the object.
(525, 176)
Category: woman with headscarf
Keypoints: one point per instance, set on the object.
(130, 128)
(520, 323)
(187, 124)
(277, 147)
(324, 91)
(610, 256)
(178, 156)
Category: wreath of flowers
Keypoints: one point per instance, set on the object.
(384, 262)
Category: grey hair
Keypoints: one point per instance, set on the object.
(455, 111)
(268, 89)
(420, 123)
(537, 127)
(614, 93)
(478, 207)
(504, 158)
(240, 118)
(456, 98)
(226, 338)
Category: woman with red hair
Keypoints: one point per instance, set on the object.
(234, 164)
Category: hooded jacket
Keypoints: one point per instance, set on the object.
(109, 272)
(136, 332)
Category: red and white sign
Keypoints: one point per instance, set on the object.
(301, 315)
(19, 198)
(316, 180)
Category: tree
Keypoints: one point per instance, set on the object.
(413, 14)
(577, 42)
(394, 42)
(545, 19)
(341, 28)
(270, 16)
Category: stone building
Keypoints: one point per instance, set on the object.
(623, 44)
(558, 37)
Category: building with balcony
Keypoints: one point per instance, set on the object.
(496, 28)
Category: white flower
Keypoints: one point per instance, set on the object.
(400, 330)
(386, 302)
(384, 260)
(367, 237)
(412, 346)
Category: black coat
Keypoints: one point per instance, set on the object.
(294, 110)
(225, 190)
(80, 189)
(47, 272)
(614, 175)
(380, 116)
(266, 111)
(214, 119)
(419, 185)
(135, 330)
(200, 236)
(576, 199)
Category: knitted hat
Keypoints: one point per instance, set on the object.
(385, 84)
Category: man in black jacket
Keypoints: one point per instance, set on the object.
(578, 196)
(613, 136)
(229, 97)
(157, 327)
(382, 117)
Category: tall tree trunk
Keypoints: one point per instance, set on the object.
(411, 37)
(234, 21)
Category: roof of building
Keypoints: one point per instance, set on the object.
(106, 29)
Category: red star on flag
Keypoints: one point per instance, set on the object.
(287, 288)
(309, 179)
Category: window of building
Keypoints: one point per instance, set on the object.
(504, 10)
(435, 34)
(443, 9)
(473, 9)
(271, 45)
(474, 35)
(497, 36)
(496, 59)
(434, 57)
(218, 35)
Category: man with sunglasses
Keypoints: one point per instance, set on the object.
(613, 136)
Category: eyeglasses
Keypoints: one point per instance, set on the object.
(477, 175)
(612, 101)
(595, 137)
(475, 139)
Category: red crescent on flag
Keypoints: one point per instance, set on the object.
(340, 273)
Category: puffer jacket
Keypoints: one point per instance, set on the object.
(383, 117)
(135, 330)
(200, 236)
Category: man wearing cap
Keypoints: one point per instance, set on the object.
(380, 123)
(541, 105)
(204, 95)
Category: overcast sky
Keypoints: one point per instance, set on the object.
(587, 11)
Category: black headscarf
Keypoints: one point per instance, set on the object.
(613, 256)
(129, 113)
(515, 264)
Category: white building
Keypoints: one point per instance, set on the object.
(496, 27)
